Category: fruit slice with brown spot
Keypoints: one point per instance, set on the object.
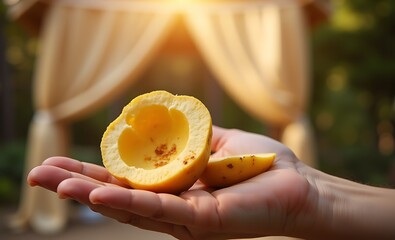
(230, 170)
(160, 142)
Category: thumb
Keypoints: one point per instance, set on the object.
(218, 140)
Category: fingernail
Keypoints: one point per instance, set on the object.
(97, 202)
(94, 199)
(32, 183)
(63, 196)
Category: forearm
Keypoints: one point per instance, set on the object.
(348, 210)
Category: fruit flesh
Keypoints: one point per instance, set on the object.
(154, 137)
(227, 171)
(160, 142)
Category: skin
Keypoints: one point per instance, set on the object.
(291, 199)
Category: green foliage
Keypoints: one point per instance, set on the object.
(354, 74)
(12, 157)
(20, 59)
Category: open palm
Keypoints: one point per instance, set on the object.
(268, 204)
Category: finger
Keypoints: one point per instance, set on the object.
(126, 217)
(218, 134)
(80, 190)
(50, 177)
(47, 176)
(77, 189)
(164, 207)
(88, 169)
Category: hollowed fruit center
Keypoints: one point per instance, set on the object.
(155, 137)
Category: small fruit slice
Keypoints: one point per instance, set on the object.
(227, 171)
(160, 142)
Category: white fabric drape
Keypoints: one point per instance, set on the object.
(92, 50)
(260, 56)
(87, 57)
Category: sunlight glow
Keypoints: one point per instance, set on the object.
(346, 19)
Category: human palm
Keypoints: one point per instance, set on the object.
(268, 204)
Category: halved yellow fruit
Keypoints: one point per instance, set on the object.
(160, 142)
(230, 170)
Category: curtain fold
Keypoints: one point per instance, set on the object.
(87, 57)
(299, 136)
(39, 207)
(260, 57)
(94, 55)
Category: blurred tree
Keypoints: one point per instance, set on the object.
(6, 109)
(17, 53)
(354, 73)
(18, 60)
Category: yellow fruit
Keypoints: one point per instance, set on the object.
(160, 142)
(227, 171)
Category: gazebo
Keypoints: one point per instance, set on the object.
(92, 50)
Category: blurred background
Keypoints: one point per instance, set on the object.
(352, 105)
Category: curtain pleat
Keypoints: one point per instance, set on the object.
(260, 57)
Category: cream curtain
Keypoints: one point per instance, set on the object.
(93, 49)
(87, 57)
(260, 56)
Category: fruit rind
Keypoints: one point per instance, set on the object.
(230, 170)
(177, 175)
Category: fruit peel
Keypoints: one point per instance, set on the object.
(230, 170)
(160, 142)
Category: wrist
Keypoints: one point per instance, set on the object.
(343, 209)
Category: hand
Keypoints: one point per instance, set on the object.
(272, 203)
